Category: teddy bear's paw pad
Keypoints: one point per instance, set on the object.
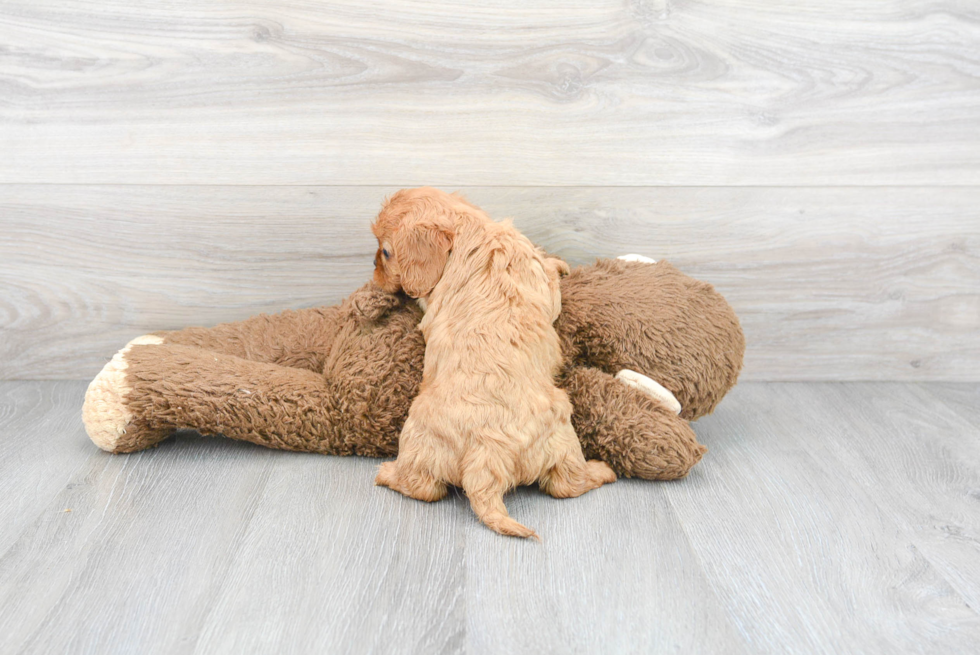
(637, 258)
(104, 413)
(651, 387)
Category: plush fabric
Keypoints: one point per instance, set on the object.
(339, 380)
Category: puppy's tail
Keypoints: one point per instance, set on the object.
(487, 499)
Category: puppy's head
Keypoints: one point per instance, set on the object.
(415, 232)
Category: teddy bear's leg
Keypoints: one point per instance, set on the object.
(299, 339)
(106, 413)
(150, 389)
(637, 258)
(636, 434)
(650, 387)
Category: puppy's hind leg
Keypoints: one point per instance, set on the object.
(418, 484)
(486, 494)
(409, 474)
(570, 475)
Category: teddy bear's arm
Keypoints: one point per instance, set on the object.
(295, 338)
(150, 389)
(633, 432)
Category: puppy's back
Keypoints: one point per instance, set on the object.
(496, 305)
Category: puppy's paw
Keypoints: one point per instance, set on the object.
(637, 258)
(386, 474)
(600, 472)
(651, 387)
(105, 413)
(370, 304)
(417, 485)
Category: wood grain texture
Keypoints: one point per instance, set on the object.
(933, 478)
(36, 458)
(829, 283)
(616, 574)
(960, 400)
(826, 518)
(817, 486)
(313, 576)
(646, 92)
(218, 541)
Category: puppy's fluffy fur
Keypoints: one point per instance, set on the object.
(488, 416)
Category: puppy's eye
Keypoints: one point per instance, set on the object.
(385, 253)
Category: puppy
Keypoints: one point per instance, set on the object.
(488, 416)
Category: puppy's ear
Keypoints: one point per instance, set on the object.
(422, 247)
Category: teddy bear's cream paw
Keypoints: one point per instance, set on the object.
(645, 384)
(637, 258)
(104, 413)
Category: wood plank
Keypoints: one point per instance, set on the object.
(95, 266)
(963, 400)
(719, 92)
(137, 562)
(333, 564)
(208, 545)
(825, 518)
(615, 573)
(829, 283)
(791, 514)
(934, 470)
(42, 446)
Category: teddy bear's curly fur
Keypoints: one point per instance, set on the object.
(339, 380)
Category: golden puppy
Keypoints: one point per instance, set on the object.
(488, 416)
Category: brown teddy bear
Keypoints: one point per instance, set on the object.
(339, 380)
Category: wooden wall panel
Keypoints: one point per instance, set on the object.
(830, 283)
(186, 162)
(647, 92)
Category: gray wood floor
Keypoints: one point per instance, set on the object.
(827, 517)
